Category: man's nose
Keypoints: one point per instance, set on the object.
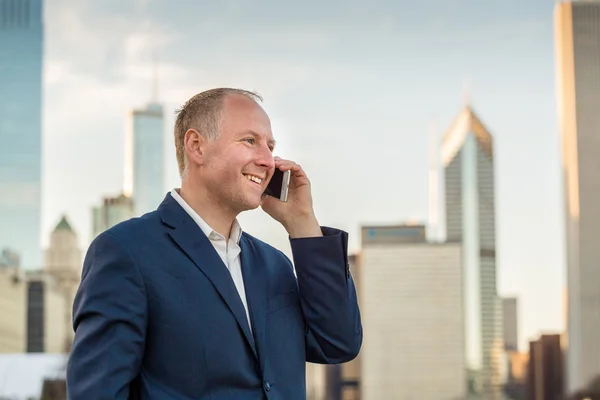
(265, 158)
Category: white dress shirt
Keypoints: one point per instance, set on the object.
(229, 250)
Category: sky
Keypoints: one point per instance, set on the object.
(352, 88)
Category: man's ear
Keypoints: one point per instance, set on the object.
(194, 144)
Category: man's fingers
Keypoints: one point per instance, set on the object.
(285, 165)
(288, 165)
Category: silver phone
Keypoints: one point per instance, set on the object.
(279, 184)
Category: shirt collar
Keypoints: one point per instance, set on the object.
(236, 229)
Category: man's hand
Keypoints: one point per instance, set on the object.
(297, 215)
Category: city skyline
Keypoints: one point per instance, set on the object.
(404, 74)
(359, 95)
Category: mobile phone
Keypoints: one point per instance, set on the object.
(278, 185)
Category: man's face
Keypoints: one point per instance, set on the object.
(239, 164)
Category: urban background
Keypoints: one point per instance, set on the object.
(458, 142)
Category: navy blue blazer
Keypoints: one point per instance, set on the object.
(157, 315)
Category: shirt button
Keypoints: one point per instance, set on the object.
(267, 386)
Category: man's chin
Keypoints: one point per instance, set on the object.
(252, 204)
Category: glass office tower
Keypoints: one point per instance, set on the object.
(21, 54)
(468, 160)
(144, 154)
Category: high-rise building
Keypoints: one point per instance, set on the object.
(510, 324)
(516, 385)
(144, 153)
(13, 304)
(545, 372)
(63, 256)
(577, 39)
(412, 310)
(46, 329)
(468, 162)
(112, 211)
(63, 263)
(21, 50)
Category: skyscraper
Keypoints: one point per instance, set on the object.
(21, 50)
(46, 305)
(545, 379)
(63, 263)
(510, 324)
(412, 309)
(144, 166)
(577, 29)
(468, 161)
(112, 211)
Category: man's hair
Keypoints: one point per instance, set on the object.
(203, 113)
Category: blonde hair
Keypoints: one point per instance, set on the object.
(203, 113)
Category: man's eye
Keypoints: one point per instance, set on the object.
(249, 140)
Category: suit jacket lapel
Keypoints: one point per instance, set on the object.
(255, 283)
(190, 238)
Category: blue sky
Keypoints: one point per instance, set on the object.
(352, 90)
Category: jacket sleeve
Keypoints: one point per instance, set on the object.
(328, 297)
(109, 319)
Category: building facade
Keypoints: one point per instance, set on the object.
(112, 211)
(545, 371)
(64, 264)
(144, 155)
(577, 38)
(468, 162)
(21, 54)
(13, 304)
(412, 310)
(46, 329)
(510, 324)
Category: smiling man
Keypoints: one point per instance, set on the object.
(182, 304)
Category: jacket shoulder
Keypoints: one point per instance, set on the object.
(134, 226)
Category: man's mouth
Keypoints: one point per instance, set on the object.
(253, 178)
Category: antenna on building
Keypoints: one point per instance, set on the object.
(153, 61)
(467, 86)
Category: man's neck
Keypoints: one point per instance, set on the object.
(218, 219)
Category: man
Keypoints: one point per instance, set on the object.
(181, 304)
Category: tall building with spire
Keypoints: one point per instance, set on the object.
(144, 152)
(577, 40)
(468, 162)
(21, 54)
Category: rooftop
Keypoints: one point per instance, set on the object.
(63, 225)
